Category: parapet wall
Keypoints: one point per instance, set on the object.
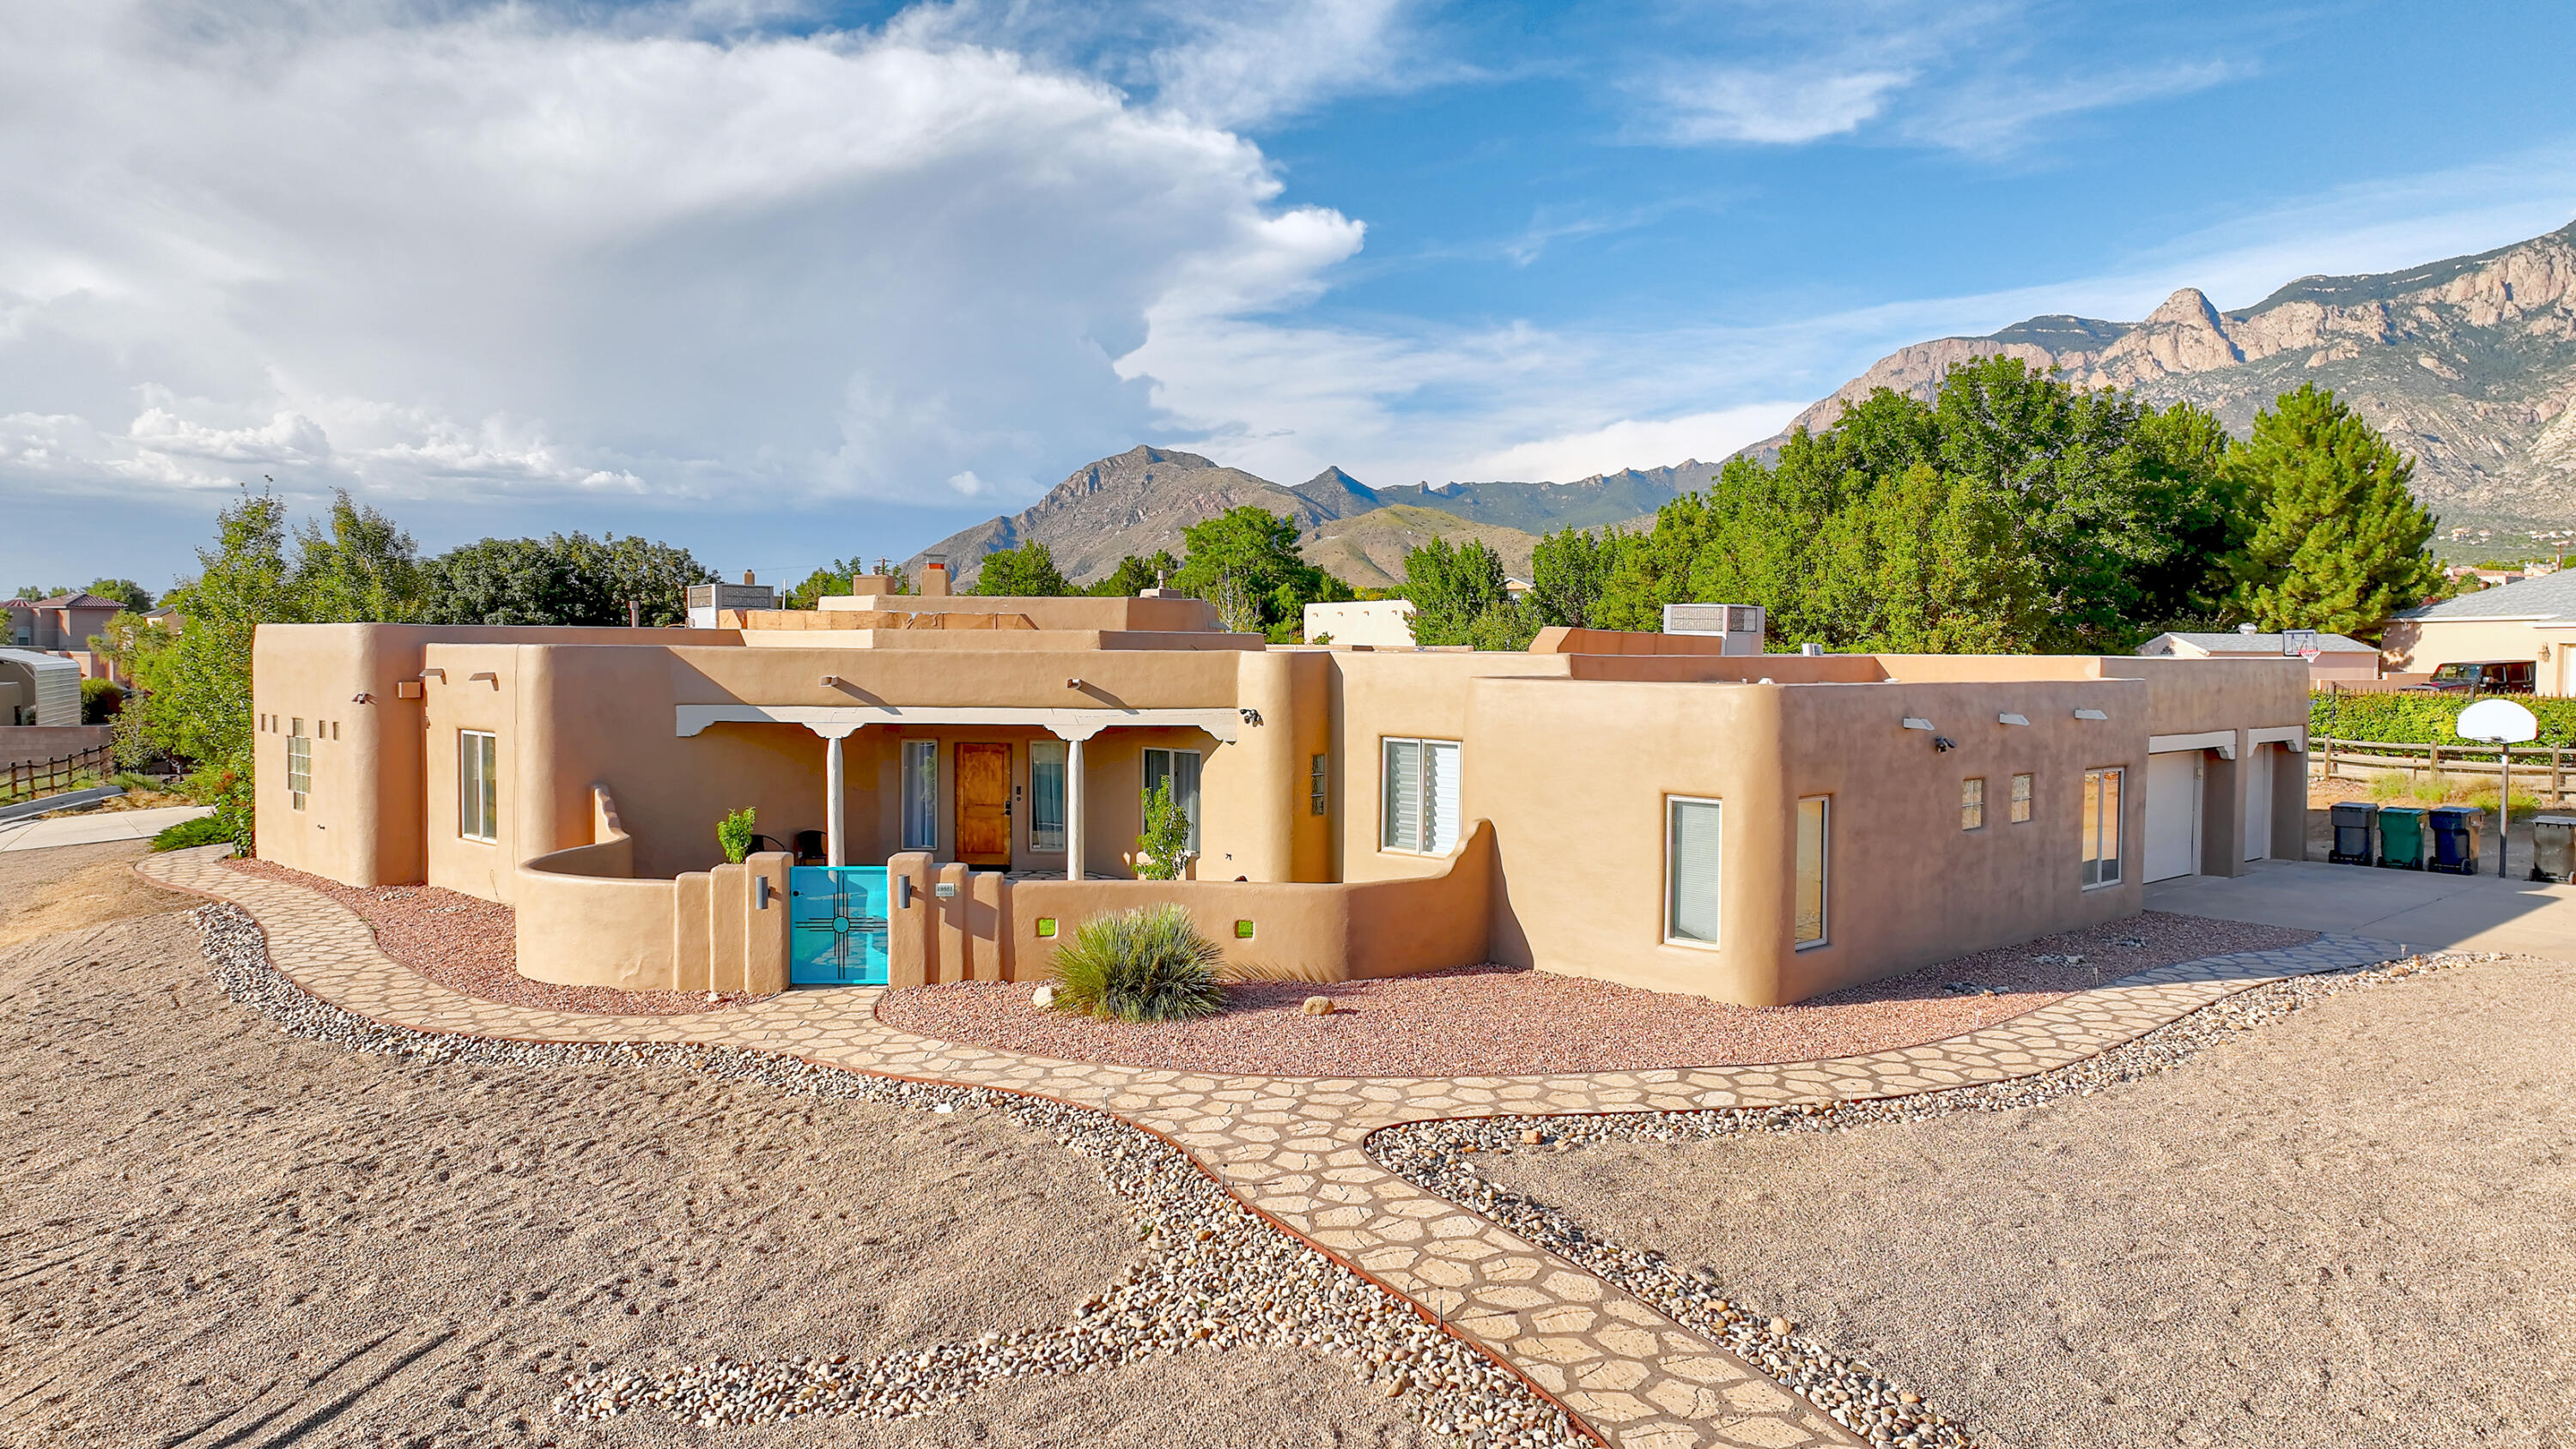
(584, 920)
(988, 927)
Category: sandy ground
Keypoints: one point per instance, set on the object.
(1492, 1019)
(2349, 1228)
(74, 886)
(219, 1234)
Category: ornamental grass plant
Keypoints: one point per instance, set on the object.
(1147, 964)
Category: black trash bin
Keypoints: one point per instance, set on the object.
(2353, 820)
(2455, 831)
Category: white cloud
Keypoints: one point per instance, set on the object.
(1657, 443)
(1774, 107)
(501, 253)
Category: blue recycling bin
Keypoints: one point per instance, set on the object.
(2455, 830)
(2353, 820)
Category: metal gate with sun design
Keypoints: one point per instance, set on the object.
(836, 925)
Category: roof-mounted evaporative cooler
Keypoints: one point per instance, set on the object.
(1740, 625)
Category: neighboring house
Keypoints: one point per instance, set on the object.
(19, 630)
(38, 689)
(1377, 623)
(66, 622)
(970, 775)
(2533, 621)
(2338, 657)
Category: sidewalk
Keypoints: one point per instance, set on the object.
(90, 829)
(2427, 910)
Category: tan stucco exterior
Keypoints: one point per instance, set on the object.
(2420, 646)
(616, 751)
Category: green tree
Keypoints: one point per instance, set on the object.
(125, 591)
(1453, 587)
(1135, 575)
(1026, 572)
(1567, 572)
(561, 579)
(2338, 542)
(1246, 562)
(1164, 847)
(359, 569)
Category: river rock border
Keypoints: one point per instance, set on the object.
(1440, 1157)
(1214, 1275)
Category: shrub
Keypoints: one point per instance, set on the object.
(1148, 964)
(2424, 719)
(1165, 846)
(101, 701)
(204, 830)
(735, 834)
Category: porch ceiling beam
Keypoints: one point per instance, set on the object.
(837, 721)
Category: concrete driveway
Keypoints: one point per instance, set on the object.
(89, 829)
(2420, 908)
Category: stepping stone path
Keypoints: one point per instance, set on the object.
(1291, 1148)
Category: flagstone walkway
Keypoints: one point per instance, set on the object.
(1291, 1147)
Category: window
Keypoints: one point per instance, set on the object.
(921, 794)
(1046, 795)
(1420, 808)
(1319, 779)
(1814, 816)
(2101, 828)
(1972, 804)
(1690, 870)
(2021, 800)
(299, 764)
(1181, 768)
(476, 786)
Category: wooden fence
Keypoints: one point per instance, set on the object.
(2532, 764)
(31, 779)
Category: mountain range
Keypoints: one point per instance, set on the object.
(2468, 365)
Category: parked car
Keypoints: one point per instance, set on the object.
(2486, 676)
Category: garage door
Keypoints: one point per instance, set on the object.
(2173, 814)
(2258, 801)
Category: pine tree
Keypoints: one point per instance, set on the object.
(2338, 542)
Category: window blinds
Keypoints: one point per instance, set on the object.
(1441, 809)
(1691, 871)
(1401, 827)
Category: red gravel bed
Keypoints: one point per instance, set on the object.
(1496, 1020)
(471, 945)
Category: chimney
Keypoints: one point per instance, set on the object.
(934, 581)
(747, 579)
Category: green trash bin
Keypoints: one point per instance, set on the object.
(2401, 837)
(2553, 848)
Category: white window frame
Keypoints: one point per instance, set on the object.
(919, 795)
(1824, 871)
(299, 765)
(1042, 752)
(1189, 803)
(1673, 807)
(1426, 802)
(2091, 859)
(478, 793)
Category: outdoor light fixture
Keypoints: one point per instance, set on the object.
(362, 697)
(2012, 719)
(1912, 723)
(1250, 716)
(1943, 744)
(1073, 684)
(2090, 714)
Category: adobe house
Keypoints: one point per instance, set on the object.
(2533, 619)
(951, 783)
(2336, 658)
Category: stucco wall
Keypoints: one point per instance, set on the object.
(2424, 645)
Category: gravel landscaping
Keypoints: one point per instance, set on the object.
(2348, 1230)
(471, 945)
(1487, 1020)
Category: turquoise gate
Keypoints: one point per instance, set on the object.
(836, 925)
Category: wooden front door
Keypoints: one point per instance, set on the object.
(984, 804)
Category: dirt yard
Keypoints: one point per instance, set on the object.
(222, 1234)
(2349, 1228)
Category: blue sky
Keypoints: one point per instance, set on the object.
(785, 283)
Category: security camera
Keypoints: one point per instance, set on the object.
(1943, 744)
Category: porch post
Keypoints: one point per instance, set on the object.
(834, 852)
(1073, 808)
